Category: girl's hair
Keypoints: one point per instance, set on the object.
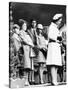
(39, 31)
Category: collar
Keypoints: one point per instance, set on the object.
(53, 24)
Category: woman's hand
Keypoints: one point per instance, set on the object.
(44, 49)
(58, 41)
(40, 47)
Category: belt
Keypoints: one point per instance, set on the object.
(51, 40)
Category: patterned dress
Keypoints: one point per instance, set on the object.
(26, 38)
(43, 44)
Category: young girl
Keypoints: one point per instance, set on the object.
(42, 45)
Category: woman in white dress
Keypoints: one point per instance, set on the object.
(54, 49)
(27, 45)
(42, 45)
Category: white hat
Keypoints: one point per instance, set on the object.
(17, 26)
(40, 26)
(57, 16)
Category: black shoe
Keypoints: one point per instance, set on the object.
(52, 84)
(32, 83)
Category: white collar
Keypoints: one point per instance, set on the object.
(53, 24)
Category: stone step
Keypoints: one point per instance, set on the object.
(20, 83)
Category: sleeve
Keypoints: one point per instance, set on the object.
(23, 39)
(46, 41)
(26, 39)
(52, 33)
(37, 40)
(29, 41)
(21, 35)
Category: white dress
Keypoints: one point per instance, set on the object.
(54, 49)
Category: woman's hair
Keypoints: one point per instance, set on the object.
(38, 31)
(32, 20)
(21, 22)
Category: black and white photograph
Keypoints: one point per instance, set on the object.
(37, 45)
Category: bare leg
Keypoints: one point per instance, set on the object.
(26, 78)
(41, 74)
(32, 72)
(54, 75)
(31, 77)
